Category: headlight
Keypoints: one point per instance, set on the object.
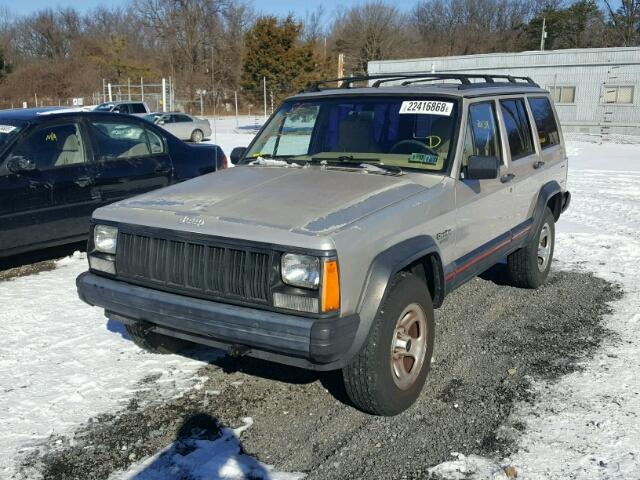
(300, 270)
(105, 239)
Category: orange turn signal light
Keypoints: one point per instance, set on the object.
(330, 298)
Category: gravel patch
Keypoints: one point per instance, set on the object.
(492, 341)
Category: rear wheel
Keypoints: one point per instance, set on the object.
(155, 342)
(197, 136)
(529, 266)
(387, 375)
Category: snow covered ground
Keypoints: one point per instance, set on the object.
(587, 425)
(62, 363)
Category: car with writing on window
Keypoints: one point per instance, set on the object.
(58, 165)
(183, 126)
(351, 216)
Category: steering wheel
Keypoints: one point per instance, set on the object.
(434, 141)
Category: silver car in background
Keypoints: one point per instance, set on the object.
(183, 126)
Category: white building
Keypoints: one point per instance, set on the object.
(596, 90)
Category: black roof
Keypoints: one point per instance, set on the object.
(42, 113)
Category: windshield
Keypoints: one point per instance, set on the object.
(411, 133)
(8, 130)
(152, 117)
(104, 107)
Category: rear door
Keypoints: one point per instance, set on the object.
(183, 126)
(483, 207)
(129, 158)
(552, 164)
(523, 156)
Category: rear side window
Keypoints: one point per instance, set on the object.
(482, 137)
(545, 121)
(137, 108)
(121, 140)
(182, 118)
(518, 129)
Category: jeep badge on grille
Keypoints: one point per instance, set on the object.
(191, 220)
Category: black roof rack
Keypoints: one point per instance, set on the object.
(465, 79)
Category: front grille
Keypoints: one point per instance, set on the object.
(184, 266)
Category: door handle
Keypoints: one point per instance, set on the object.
(507, 178)
(83, 181)
(162, 169)
(538, 164)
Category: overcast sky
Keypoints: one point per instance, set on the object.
(277, 7)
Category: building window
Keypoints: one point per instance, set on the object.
(621, 94)
(563, 94)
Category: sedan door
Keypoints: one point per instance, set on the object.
(184, 126)
(129, 158)
(54, 201)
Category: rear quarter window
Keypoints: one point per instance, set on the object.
(545, 121)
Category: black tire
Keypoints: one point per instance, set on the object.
(369, 378)
(155, 342)
(197, 136)
(527, 269)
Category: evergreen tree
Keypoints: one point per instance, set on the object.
(275, 51)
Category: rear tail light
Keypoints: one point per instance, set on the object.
(224, 163)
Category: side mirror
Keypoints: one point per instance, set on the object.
(482, 168)
(160, 122)
(237, 154)
(19, 164)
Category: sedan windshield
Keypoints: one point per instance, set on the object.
(410, 133)
(8, 130)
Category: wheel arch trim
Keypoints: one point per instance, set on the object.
(381, 271)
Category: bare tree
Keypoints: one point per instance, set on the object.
(371, 31)
(625, 21)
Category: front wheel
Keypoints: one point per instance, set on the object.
(197, 136)
(529, 266)
(387, 375)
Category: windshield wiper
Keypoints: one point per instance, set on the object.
(353, 161)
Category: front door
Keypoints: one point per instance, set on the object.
(483, 207)
(129, 159)
(57, 195)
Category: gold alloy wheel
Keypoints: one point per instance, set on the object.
(409, 346)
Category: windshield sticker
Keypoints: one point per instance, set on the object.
(426, 107)
(423, 158)
(7, 128)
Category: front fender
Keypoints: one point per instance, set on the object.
(382, 269)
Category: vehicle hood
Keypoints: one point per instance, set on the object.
(310, 200)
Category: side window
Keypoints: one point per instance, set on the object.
(482, 137)
(122, 140)
(182, 118)
(137, 108)
(156, 143)
(518, 129)
(545, 121)
(53, 147)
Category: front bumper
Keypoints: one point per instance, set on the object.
(317, 344)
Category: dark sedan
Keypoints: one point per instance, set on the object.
(57, 166)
